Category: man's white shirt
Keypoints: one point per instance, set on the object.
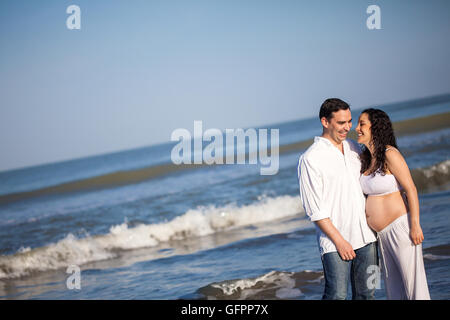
(330, 188)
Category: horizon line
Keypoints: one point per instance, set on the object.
(438, 97)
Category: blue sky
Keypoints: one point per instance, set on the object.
(137, 70)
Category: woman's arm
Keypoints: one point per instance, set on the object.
(396, 164)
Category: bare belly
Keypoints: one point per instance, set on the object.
(382, 210)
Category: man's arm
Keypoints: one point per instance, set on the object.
(343, 247)
(311, 194)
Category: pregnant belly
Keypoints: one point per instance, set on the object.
(382, 210)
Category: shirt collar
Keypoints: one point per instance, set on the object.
(329, 143)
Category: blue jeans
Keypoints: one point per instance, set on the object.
(338, 272)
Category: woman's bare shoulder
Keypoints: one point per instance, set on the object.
(393, 156)
(389, 147)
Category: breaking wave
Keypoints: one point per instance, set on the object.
(270, 286)
(433, 177)
(198, 222)
(194, 223)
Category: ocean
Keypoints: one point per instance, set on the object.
(139, 227)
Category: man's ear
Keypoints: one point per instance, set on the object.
(324, 122)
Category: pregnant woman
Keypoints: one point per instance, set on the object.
(392, 207)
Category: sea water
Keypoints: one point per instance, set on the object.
(214, 232)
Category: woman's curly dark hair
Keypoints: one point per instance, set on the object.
(382, 136)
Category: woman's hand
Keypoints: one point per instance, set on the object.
(416, 234)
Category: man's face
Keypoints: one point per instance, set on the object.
(339, 125)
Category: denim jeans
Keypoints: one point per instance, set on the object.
(338, 272)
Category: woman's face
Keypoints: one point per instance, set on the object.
(363, 129)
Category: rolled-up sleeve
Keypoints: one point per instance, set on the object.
(311, 191)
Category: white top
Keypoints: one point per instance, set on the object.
(379, 185)
(330, 188)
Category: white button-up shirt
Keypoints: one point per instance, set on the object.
(330, 188)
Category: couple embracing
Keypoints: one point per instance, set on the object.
(358, 195)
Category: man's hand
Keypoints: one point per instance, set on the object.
(345, 250)
(343, 247)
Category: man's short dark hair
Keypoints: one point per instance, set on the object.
(332, 105)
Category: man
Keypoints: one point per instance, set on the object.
(331, 195)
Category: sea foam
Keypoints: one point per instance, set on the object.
(272, 285)
(198, 222)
